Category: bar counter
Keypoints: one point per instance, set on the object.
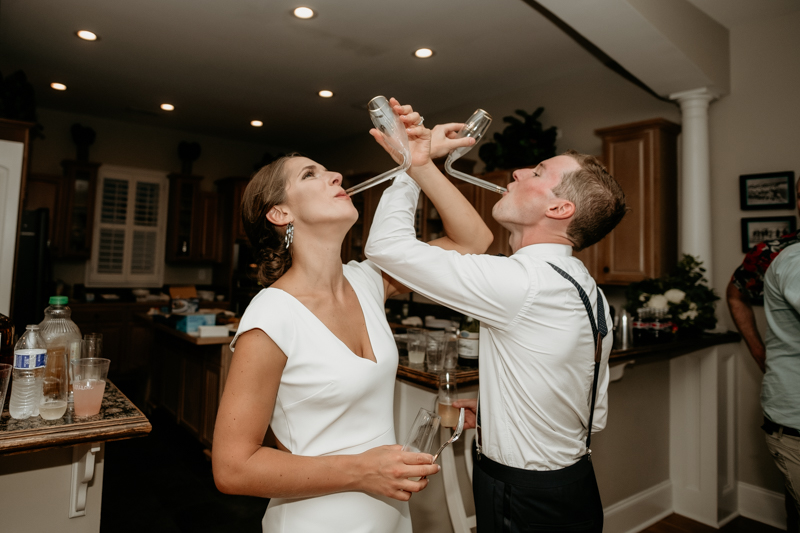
(118, 419)
(418, 374)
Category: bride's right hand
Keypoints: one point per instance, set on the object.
(386, 471)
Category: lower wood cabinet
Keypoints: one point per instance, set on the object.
(186, 381)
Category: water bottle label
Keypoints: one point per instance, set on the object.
(30, 359)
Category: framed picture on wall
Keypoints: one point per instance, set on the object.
(773, 190)
(760, 229)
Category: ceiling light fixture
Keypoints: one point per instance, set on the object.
(87, 35)
(58, 86)
(167, 107)
(256, 123)
(423, 53)
(304, 13)
(326, 94)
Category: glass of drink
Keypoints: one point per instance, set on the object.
(448, 393)
(450, 351)
(422, 433)
(5, 377)
(55, 385)
(88, 385)
(434, 353)
(92, 345)
(416, 344)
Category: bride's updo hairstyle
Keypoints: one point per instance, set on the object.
(267, 189)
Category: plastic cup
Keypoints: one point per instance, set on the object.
(92, 345)
(5, 377)
(88, 385)
(434, 355)
(417, 345)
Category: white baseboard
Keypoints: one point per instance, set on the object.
(762, 505)
(639, 511)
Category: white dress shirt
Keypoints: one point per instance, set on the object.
(536, 347)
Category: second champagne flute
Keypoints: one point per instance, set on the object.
(448, 393)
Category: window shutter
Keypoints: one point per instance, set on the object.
(112, 248)
(146, 207)
(143, 260)
(114, 207)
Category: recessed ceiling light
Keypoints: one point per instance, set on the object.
(423, 53)
(326, 94)
(58, 86)
(256, 123)
(87, 35)
(167, 107)
(304, 13)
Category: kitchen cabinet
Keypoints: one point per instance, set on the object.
(642, 157)
(70, 200)
(192, 222)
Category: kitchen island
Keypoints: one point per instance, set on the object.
(51, 472)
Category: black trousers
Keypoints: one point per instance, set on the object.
(512, 500)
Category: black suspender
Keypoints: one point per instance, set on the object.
(597, 336)
(599, 330)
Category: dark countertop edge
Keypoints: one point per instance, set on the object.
(45, 438)
(429, 380)
(200, 341)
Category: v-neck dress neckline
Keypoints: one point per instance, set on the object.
(326, 328)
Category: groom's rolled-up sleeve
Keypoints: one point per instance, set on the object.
(489, 288)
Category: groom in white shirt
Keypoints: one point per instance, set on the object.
(541, 316)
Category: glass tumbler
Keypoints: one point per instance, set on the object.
(448, 393)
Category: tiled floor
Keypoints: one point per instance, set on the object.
(162, 483)
(680, 524)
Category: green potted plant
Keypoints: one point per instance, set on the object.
(523, 143)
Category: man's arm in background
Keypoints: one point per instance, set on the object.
(745, 320)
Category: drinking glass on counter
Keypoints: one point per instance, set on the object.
(448, 393)
(55, 385)
(450, 351)
(92, 345)
(433, 353)
(89, 384)
(416, 344)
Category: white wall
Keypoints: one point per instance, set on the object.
(134, 145)
(754, 129)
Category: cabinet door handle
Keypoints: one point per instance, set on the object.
(606, 270)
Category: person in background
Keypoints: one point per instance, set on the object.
(315, 361)
(540, 358)
(746, 288)
(780, 390)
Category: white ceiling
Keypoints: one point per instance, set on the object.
(224, 63)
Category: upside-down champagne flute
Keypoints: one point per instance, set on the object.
(474, 127)
(394, 133)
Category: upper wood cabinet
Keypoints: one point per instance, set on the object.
(191, 221)
(71, 200)
(642, 157)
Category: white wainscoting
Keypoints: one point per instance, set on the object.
(639, 511)
(762, 505)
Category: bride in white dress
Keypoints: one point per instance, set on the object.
(315, 359)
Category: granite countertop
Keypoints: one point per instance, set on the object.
(200, 341)
(419, 375)
(118, 419)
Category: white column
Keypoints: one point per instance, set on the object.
(695, 190)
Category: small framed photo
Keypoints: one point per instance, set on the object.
(774, 190)
(760, 229)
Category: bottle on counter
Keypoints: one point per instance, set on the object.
(63, 338)
(30, 357)
(6, 341)
(661, 326)
(469, 342)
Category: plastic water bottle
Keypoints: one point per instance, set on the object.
(62, 337)
(30, 358)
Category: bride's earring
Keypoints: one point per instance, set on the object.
(289, 237)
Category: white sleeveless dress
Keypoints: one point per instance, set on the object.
(331, 402)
